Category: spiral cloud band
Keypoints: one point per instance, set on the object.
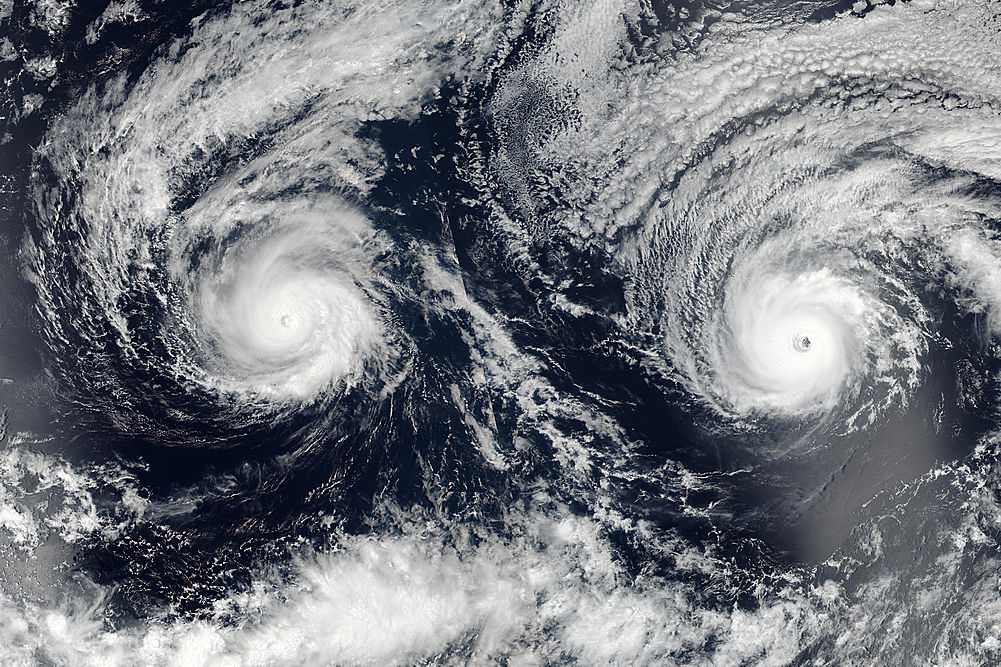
(220, 216)
(809, 186)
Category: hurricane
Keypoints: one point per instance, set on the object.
(450, 332)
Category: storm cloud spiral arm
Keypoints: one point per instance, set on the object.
(261, 281)
(446, 332)
(807, 193)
